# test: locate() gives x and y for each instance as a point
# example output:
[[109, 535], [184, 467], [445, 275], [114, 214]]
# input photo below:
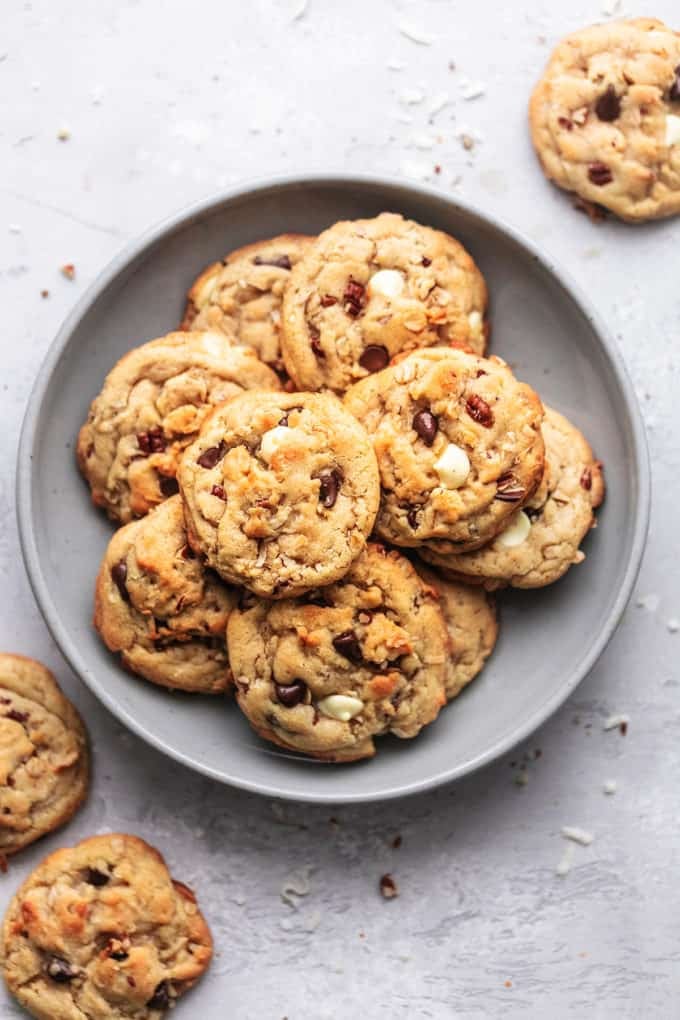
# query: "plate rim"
[[30, 430]]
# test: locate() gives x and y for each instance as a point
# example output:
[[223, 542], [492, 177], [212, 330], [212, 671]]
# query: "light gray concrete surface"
[[165, 103]]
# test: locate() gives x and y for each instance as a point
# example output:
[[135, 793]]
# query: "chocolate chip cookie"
[[368, 289], [159, 607], [44, 758], [241, 295], [605, 117], [470, 616], [100, 931], [151, 407], [281, 491], [459, 445], [326, 673], [542, 541]]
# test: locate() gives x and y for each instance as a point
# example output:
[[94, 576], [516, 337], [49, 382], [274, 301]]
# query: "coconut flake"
[[566, 860], [299, 10], [296, 885], [673, 625], [611, 7], [411, 96], [438, 103], [416, 35], [396, 65], [610, 786], [613, 722], [650, 602], [417, 171], [471, 89], [422, 141], [576, 835]]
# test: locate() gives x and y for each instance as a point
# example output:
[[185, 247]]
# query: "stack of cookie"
[[324, 425]]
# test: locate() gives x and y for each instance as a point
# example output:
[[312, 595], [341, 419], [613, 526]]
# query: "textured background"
[[166, 103]]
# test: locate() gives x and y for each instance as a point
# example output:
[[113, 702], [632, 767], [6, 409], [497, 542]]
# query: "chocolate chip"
[[315, 342], [566, 123], [599, 173], [586, 479], [212, 456], [168, 486], [281, 262], [151, 441], [218, 490], [674, 91], [161, 997], [608, 106], [412, 518], [374, 358], [327, 300], [329, 486], [283, 420], [479, 410], [95, 877], [118, 954], [425, 261], [60, 970], [508, 489], [354, 297], [20, 717], [318, 598], [119, 577], [188, 553], [290, 695], [426, 425], [347, 645]]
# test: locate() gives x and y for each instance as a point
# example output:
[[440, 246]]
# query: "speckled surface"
[[164, 107]]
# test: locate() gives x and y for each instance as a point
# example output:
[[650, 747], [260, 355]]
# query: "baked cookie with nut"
[[280, 491], [160, 609], [101, 931], [44, 757], [543, 540], [459, 446], [327, 673], [241, 295], [605, 117], [152, 405], [368, 289], [470, 616]]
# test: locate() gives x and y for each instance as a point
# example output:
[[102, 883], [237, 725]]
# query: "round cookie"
[[470, 616], [101, 931], [280, 491], [605, 117], [543, 541], [368, 289], [44, 758], [241, 295], [160, 609], [459, 445], [151, 407], [326, 674]]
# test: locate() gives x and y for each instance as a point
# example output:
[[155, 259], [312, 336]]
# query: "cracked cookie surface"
[[470, 617], [605, 117], [556, 519], [280, 491], [241, 295], [100, 931], [369, 289], [458, 442], [151, 407], [44, 758], [326, 673], [159, 607]]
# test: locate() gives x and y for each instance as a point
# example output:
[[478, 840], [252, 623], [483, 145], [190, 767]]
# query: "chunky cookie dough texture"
[[241, 295], [159, 607], [327, 673], [369, 289], [542, 540], [605, 117], [459, 446], [470, 616], [152, 405], [44, 758], [100, 931], [280, 491]]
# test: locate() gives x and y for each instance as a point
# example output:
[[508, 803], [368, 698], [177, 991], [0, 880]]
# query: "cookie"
[[543, 540], [151, 407], [605, 117], [281, 491], [241, 295], [160, 609], [470, 616], [368, 289], [327, 673], [44, 758], [459, 445], [100, 931]]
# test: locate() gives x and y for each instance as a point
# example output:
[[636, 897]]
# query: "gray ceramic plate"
[[549, 639]]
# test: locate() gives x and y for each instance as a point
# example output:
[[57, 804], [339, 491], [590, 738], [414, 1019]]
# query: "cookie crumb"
[[467, 141], [63, 134], [68, 270], [396, 842], [388, 887], [614, 722], [522, 777], [577, 835], [508, 984], [650, 602], [44, 293]]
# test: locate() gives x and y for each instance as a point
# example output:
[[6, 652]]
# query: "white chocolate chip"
[[277, 438], [516, 532], [475, 323], [453, 467], [672, 130], [214, 343], [340, 706], [387, 282]]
